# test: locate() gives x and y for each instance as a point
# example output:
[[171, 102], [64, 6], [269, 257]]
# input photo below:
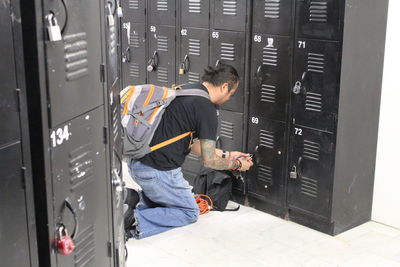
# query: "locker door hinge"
[[23, 178], [102, 73], [18, 91], [109, 249], [105, 135]]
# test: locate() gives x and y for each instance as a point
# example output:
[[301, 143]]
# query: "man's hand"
[[247, 162], [237, 154]]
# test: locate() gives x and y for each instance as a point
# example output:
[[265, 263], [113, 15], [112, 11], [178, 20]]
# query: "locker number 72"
[[298, 131]]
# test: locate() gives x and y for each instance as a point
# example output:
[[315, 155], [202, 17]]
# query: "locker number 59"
[[254, 120]]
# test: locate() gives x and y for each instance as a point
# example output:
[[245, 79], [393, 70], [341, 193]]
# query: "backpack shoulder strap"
[[193, 92]]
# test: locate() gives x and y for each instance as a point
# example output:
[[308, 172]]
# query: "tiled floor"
[[252, 238]]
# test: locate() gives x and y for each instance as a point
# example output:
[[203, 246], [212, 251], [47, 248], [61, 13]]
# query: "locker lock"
[[299, 85], [153, 62], [65, 244], [293, 172], [185, 65], [53, 28]]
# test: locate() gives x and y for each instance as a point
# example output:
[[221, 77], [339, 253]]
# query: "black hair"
[[220, 74]]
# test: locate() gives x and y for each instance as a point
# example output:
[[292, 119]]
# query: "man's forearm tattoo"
[[210, 159]]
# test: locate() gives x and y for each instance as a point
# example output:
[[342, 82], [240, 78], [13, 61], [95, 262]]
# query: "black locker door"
[[193, 55], [14, 239], [112, 42], [162, 12], [229, 48], [311, 160], [266, 178], [134, 10], [270, 72], [80, 175], [272, 16], [316, 71], [73, 64], [133, 53], [162, 55], [230, 130], [229, 15], [319, 19], [195, 13]]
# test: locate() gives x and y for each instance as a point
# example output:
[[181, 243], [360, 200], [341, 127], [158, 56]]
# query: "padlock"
[[297, 87], [150, 67], [110, 17], [120, 14], [182, 69], [53, 28], [293, 173], [65, 244]]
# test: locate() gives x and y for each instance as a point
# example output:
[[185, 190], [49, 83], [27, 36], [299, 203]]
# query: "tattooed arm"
[[211, 159]]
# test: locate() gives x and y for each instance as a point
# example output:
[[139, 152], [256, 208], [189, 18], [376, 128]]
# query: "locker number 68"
[[254, 120], [257, 38]]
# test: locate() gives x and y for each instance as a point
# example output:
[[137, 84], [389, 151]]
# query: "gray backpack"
[[142, 107]]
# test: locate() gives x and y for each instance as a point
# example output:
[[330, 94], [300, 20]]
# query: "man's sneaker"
[[129, 220], [131, 197]]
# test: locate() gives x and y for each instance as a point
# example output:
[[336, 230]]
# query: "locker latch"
[[153, 62], [185, 65], [299, 85], [53, 28]]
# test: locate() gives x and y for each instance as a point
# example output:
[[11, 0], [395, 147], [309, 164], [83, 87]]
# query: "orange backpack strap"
[[170, 141]]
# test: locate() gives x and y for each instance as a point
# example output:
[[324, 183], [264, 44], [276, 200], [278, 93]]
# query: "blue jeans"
[[166, 200]]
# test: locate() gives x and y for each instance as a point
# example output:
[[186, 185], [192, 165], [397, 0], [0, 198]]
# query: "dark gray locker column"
[[229, 15], [311, 164], [230, 48], [73, 63], [195, 13], [193, 54], [133, 46], [162, 12], [315, 92], [162, 55], [266, 179], [270, 69]]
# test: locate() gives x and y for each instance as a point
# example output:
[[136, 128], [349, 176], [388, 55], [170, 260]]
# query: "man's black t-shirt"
[[184, 114]]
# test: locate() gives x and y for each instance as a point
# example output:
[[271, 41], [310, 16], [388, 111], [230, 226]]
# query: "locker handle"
[[300, 167], [217, 62], [68, 205], [299, 85], [153, 62], [260, 73], [127, 55], [218, 142], [186, 63]]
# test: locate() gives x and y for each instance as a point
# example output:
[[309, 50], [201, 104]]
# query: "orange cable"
[[203, 204]]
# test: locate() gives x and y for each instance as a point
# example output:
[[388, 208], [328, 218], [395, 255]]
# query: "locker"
[[162, 12], [73, 64], [266, 179], [229, 15], [319, 19], [311, 162], [229, 48], [112, 42], [195, 13], [193, 54], [14, 238], [272, 17], [134, 10], [80, 177], [315, 101], [162, 55], [133, 47], [9, 127], [270, 72]]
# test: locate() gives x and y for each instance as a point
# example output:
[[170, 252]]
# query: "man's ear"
[[225, 88]]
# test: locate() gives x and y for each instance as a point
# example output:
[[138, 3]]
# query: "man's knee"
[[192, 215]]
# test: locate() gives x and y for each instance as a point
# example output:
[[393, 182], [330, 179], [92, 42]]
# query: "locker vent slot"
[[226, 129], [195, 6], [309, 187], [316, 62], [162, 75], [133, 4], [85, 247], [268, 93], [266, 139], [113, 41], [134, 70], [135, 40], [162, 43], [230, 8], [76, 56], [270, 56], [194, 47], [313, 102], [228, 51], [194, 77], [81, 166], [115, 123], [311, 150], [192, 156], [272, 9], [318, 11], [162, 5], [265, 174]]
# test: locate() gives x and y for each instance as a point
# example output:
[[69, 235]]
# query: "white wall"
[[386, 203]]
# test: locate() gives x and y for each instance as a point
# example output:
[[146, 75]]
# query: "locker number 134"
[[59, 136]]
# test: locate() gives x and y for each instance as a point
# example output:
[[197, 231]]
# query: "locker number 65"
[[215, 35]]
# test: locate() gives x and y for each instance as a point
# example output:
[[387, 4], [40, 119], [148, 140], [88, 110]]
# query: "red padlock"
[[65, 244]]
